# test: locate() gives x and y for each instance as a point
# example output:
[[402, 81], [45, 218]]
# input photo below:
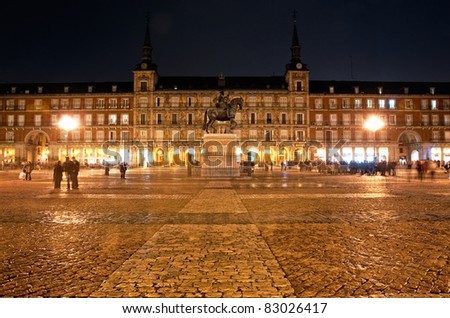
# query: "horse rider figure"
[[222, 104]]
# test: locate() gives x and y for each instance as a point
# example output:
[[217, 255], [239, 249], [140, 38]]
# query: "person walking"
[[76, 170], [28, 168], [123, 169], [68, 168], [58, 174]]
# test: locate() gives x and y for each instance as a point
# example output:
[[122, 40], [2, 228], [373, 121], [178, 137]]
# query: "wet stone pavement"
[[159, 233]]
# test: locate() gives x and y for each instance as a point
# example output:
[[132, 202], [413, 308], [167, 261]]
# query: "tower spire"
[[296, 60], [146, 61]]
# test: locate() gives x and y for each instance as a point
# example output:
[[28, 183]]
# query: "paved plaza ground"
[[159, 233]]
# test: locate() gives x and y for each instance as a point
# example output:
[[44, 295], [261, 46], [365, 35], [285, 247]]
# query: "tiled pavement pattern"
[[162, 234]]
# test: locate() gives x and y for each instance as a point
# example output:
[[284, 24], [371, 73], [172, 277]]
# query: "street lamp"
[[374, 123], [68, 124]]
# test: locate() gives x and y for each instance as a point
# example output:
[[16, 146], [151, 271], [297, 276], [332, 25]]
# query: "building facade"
[[157, 120]]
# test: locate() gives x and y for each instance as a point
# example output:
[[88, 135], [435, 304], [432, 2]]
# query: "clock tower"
[[297, 74]]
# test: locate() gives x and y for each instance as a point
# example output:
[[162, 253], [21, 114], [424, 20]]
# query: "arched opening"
[[37, 150], [409, 146]]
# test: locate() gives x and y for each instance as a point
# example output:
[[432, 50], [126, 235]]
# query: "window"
[[253, 134], [358, 103], [143, 102], [174, 119], [10, 104], [381, 104], [409, 120], [345, 103], [206, 101], [318, 103], [125, 135], [253, 118], [125, 103], [112, 135], [299, 86], [114, 88], [446, 104], [190, 119], [101, 103], [424, 104], [434, 104], [189, 102], [64, 104], [392, 120], [252, 101], [435, 120], [37, 120], [88, 102], [76, 103], [159, 119], [299, 102], [268, 100], [100, 119], [300, 135], [283, 101], [21, 120], [9, 136], [425, 120], [268, 135], [332, 104], [284, 119], [112, 119], [408, 104], [112, 103], [346, 119], [88, 119], [90, 89], [143, 119], [100, 135], [54, 120], [88, 135], [392, 104], [38, 104], [22, 104], [370, 103], [319, 119], [436, 135], [143, 85], [158, 101], [268, 118], [66, 89], [447, 120], [125, 119], [333, 119], [10, 120], [299, 119], [359, 119]]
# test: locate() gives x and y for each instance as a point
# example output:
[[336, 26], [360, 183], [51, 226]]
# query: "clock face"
[[298, 65], [144, 66]]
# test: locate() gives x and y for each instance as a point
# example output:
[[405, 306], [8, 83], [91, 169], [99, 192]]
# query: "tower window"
[[143, 86]]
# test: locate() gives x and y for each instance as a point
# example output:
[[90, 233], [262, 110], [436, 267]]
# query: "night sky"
[[101, 40]]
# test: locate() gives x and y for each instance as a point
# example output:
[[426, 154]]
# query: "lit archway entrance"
[[409, 145], [36, 144]]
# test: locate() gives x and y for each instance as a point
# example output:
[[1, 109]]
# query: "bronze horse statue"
[[228, 114]]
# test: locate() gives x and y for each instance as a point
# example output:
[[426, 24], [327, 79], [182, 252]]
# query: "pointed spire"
[[147, 47], [146, 61], [295, 47], [296, 60]]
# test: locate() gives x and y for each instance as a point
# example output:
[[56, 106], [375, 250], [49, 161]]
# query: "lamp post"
[[374, 123], [68, 124]]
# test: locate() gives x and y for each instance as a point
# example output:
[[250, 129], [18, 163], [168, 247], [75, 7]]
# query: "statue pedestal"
[[219, 156]]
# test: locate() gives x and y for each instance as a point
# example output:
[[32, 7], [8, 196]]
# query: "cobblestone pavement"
[[159, 233]]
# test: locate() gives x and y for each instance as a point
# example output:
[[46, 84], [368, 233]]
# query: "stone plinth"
[[219, 155]]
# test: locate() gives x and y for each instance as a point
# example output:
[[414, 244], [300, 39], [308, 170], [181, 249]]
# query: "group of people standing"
[[70, 168]]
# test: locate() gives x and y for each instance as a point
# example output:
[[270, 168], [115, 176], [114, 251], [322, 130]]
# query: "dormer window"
[[90, 89], [40, 89], [13, 90], [432, 90], [356, 89], [406, 90], [331, 89], [66, 89], [114, 88], [380, 90]]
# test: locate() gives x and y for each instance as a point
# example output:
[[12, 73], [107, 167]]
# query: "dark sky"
[[101, 40]]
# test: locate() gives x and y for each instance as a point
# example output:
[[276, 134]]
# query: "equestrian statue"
[[225, 110]]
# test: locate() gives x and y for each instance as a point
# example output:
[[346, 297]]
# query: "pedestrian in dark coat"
[[58, 174]]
